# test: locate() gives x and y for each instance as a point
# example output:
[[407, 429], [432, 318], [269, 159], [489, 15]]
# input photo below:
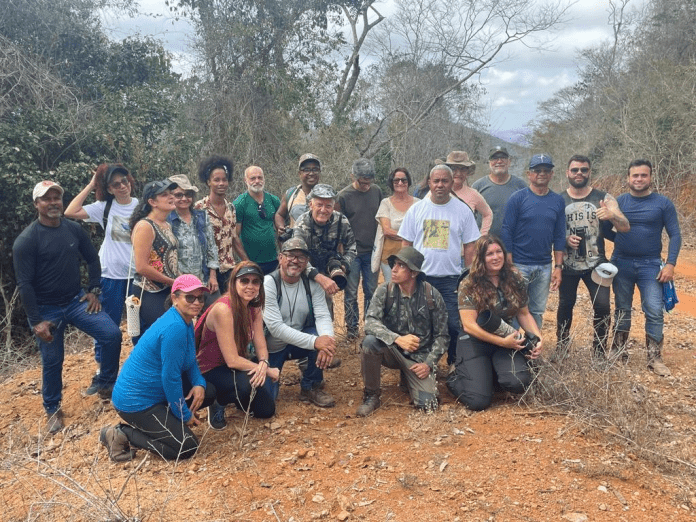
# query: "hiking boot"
[[116, 444], [352, 334], [93, 387], [216, 416], [655, 358], [317, 397], [618, 350], [371, 402], [105, 393], [55, 422]]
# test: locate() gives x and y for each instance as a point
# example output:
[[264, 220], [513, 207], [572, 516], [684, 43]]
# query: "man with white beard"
[[256, 209]]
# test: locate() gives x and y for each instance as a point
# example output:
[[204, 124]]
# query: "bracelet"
[[558, 266], [264, 361]]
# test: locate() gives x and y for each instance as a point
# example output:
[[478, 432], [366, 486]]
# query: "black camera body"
[[494, 324]]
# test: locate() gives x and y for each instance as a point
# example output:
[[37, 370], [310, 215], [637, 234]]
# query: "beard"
[[579, 183]]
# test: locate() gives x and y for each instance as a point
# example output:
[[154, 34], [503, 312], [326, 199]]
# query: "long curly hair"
[[101, 192], [240, 312], [479, 287]]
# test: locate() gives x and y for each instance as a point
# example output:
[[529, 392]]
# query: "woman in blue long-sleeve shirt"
[[160, 386]]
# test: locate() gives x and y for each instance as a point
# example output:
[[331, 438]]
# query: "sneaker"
[[371, 402], [116, 444], [105, 393], [317, 397], [216, 416], [55, 422], [92, 388], [335, 363]]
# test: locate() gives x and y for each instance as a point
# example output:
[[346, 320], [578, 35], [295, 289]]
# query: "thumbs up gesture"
[[603, 213]]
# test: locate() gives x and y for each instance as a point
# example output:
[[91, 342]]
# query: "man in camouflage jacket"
[[406, 329], [328, 235]]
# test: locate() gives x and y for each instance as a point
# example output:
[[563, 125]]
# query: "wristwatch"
[[96, 290], [558, 266]]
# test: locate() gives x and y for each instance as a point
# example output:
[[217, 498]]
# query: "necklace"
[[294, 300]]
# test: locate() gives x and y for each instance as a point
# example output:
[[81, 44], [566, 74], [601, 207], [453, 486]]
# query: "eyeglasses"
[[253, 281], [314, 170], [584, 170], [401, 180], [119, 184], [190, 298], [498, 158], [541, 171], [180, 195], [302, 258], [262, 211]]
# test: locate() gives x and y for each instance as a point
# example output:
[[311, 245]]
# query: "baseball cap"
[[498, 149], [44, 186], [541, 159], [604, 273], [183, 182], [295, 243], [307, 157], [188, 283], [154, 188], [322, 190], [458, 157], [113, 169]]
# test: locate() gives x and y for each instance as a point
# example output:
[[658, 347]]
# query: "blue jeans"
[[447, 286], [643, 273], [360, 265], [312, 375], [538, 279], [112, 299], [99, 325]]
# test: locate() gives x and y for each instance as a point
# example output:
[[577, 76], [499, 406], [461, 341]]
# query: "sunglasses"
[[246, 281], [401, 180], [182, 195], [190, 298], [119, 184], [541, 171], [296, 257], [584, 170], [262, 211]]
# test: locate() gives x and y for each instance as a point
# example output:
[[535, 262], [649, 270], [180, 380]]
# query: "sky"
[[513, 86]]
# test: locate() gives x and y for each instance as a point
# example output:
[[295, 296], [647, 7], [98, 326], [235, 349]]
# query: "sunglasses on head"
[[584, 170]]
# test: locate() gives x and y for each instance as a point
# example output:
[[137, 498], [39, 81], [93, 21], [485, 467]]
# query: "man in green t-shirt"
[[255, 211]]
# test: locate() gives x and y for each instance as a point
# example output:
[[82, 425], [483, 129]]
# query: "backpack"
[[309, 321], [389, 301]]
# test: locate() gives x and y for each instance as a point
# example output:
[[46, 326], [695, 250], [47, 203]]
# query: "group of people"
[[229, 292]]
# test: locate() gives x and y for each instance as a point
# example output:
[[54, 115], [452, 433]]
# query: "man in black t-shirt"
[[585, 208], [47, 257]]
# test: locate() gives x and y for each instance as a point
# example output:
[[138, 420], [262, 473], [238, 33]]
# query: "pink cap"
[[188, 283]]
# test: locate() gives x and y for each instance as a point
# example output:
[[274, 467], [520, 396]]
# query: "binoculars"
[[494, 324]]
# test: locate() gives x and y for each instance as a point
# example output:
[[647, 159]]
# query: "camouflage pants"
[[376, 354]]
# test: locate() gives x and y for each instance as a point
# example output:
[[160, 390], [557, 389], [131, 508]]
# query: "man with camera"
[[329, 238], [406, 329], [585, 209], [298, 323], [295, 201]]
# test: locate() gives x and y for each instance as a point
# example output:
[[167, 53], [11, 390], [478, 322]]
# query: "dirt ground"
[[517, 461]]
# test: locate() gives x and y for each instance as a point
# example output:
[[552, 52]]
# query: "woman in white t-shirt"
[[113, 186]]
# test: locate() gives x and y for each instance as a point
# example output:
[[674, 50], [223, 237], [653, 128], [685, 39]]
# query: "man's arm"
[[374, 319], [441, 336], [609, 211], [281, 215], [24, 257], [671, 224]]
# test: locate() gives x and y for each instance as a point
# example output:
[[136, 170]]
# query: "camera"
[[337, 272], [285, 235], [494, 324]]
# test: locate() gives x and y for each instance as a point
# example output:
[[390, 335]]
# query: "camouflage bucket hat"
[[411, 257]]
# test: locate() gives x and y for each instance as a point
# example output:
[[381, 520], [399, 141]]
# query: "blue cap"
[[541, 159]]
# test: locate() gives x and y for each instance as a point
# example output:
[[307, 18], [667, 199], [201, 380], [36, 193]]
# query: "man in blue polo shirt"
[[534, 222], [637, 256]]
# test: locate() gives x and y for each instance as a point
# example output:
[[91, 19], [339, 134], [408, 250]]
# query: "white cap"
[[44, 186], [604, 273]]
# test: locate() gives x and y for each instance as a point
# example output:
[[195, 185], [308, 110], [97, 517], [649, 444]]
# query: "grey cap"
[[498, 149], [410, 256], [322, 190], [183, 182], [295, 243], [154, 188]]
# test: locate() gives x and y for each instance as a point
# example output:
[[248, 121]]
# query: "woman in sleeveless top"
[[223, 334], [154, 251]]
